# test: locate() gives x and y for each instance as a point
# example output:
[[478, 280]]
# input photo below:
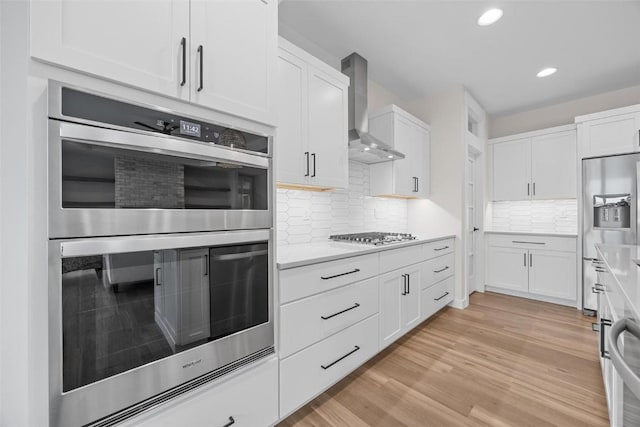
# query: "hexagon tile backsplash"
[[306, 216]]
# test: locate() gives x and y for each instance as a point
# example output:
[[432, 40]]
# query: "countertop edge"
[[531, 233], [359, 251]]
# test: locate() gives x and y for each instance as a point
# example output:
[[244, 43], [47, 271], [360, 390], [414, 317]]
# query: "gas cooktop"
[[373, 238]]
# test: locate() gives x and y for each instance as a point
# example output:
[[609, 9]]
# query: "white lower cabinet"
[[538, 267], [436, 297], [309, 372], [249, 399], [399, 303]]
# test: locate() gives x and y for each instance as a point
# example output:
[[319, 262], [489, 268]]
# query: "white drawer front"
[[436, 297], [309, 372], [437, 269], [438, 248], [304, 281], [307, 321], [394, 259], [250, 398], [559, 243]]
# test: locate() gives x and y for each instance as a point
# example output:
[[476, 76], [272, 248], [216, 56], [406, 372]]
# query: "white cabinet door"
[[291, 143], [391, 301], [421, 161], [405, 141], [512, 170], [611, 135], [552, 274], [194, 318], [411, 301], [328, 144], [234, 50], [553, 166], [508, 268], [132, 42]]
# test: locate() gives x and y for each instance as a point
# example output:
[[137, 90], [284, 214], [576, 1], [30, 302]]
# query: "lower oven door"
[[107, 182], [135, 317]]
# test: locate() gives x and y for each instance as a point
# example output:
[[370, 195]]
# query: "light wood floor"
[[503, 361]]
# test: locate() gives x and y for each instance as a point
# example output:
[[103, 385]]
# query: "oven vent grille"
[[150, 403]]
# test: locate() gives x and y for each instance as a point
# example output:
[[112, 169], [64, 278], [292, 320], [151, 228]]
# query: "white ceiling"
[[416, 48]]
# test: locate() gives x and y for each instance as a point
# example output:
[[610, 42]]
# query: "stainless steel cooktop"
[[373, 238]]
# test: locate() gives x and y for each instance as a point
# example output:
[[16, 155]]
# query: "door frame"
[[477, 243]]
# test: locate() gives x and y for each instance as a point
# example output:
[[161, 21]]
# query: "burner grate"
[[373, 238]]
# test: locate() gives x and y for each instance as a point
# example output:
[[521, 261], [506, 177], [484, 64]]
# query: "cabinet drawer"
[[567, 244], [437, 269], [394, 259], [304, 281], [438, 248], [309, 372], [436, 297], [312, 319], [251, 398]]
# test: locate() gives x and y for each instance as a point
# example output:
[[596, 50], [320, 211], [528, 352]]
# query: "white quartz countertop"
[[620, 261], [532, 233], [291, 256]]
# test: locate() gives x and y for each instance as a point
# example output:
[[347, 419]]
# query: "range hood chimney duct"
[[363, 147]]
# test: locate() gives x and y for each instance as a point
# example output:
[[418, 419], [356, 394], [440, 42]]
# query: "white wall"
[[561, 114]]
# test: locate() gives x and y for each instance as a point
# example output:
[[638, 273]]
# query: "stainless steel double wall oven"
[[160, 254]]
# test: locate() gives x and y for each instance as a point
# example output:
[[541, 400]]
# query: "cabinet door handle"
[[417, 184], [306, 153], [527, 243], [441, 249], [530, 260], [404, 284], [408, 284], [441, 270], [206, 265], [314, 164], [356, 305], [603, 322], [534, 188], [596, 290], [440, 297], [158, 277], [355, 270], [528, 186], [230, 423], [525, 259], [201, 54], [183, 45], [340, 359]]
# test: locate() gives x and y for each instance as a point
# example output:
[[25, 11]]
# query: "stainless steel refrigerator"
[[609, 188]]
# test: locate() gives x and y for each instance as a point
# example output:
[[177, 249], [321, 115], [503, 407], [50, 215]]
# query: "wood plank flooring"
[[503, 361]]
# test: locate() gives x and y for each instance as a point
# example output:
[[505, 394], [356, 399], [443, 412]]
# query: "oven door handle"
[[242, 255], [158, 144]]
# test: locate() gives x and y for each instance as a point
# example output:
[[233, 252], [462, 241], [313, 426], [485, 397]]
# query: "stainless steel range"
[[373, 238]]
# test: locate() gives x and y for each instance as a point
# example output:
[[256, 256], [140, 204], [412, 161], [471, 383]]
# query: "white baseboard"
[[527, 295], [460, 303]]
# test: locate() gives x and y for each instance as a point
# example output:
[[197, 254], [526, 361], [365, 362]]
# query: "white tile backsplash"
[[538, 216], [306, 216]]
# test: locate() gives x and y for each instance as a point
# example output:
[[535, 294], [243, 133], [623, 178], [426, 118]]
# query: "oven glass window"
[[121, 311], [95, 176]]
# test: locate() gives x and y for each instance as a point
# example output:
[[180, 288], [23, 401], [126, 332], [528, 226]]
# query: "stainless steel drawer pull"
[[355, 270], [356, 305], [441, 270], [600, 270], [230, 423], [596, 290], [439, 298], [527, 243], [341, 359], [604, 353], [441, 249], [629, 377]]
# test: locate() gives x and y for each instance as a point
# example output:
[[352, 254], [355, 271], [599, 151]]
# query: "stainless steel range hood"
[[363, 147]]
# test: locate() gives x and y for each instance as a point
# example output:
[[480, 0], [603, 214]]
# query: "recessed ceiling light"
[[390, 156], [489, 17], [547, 72], [367, 148]]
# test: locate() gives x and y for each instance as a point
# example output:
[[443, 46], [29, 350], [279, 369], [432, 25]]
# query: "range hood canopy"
[[363, 147]]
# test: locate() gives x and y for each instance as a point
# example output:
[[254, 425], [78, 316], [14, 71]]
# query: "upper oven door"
[[105, 182]]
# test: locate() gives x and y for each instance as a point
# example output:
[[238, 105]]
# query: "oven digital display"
[[190, 129]]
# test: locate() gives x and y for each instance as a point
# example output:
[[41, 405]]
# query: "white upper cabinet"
[[610, 132], [234, 45], [408, 177], [219, 53], [537, 165], [312, 146]]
